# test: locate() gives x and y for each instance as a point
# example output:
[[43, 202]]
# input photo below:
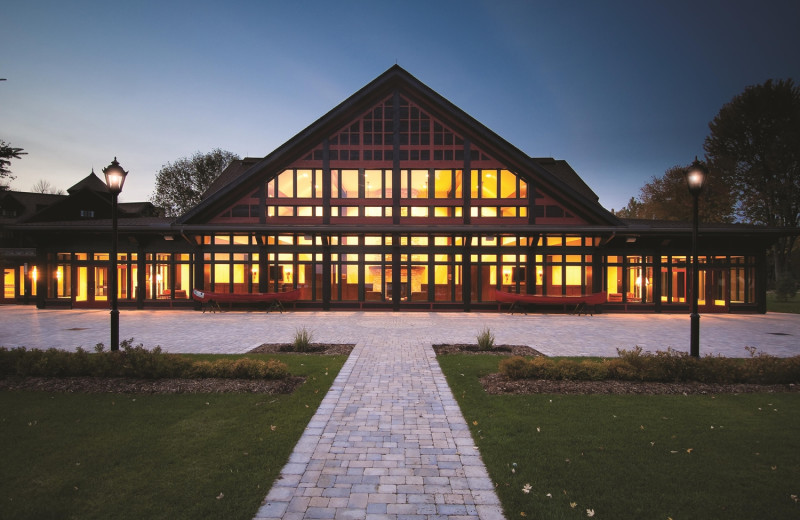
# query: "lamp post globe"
[[115, 179], [696, 176]]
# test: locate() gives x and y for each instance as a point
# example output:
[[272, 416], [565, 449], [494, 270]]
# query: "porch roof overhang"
[[650, 231]]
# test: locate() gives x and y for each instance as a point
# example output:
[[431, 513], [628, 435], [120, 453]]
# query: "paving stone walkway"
[[388, 442]]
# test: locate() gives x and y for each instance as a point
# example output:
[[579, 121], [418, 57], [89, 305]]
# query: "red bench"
[[275, 300], [580, 302]]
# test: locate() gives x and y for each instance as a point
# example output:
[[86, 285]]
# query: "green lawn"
[[634, 457], [791, 306], [127, 456]]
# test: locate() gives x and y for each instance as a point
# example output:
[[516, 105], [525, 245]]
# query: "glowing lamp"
[[696, 177], [115, 176]]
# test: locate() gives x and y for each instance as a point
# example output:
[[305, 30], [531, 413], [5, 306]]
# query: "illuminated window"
[[348, 184], [305, 183], [419, 184], [443, 184]]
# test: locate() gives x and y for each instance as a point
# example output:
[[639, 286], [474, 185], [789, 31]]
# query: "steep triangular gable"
[[432, 133]]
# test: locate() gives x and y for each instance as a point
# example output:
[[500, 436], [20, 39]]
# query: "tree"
[[180, 184], [634, 209], [668, 198], [43, 186], [755, 144], [8, 152]]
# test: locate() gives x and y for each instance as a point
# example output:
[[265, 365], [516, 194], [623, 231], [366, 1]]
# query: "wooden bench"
[[274, 300]]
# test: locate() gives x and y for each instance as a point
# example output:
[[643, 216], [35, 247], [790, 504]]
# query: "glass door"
[[713, 291], [101, 287]]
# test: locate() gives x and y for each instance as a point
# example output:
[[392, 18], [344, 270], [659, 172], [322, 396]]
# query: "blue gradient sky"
[[621, 90]]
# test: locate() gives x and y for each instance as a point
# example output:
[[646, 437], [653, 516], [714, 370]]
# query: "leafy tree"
[[180, 184], [668, 198], [634, 209], [755, 144], [8, 152], [43, 186]]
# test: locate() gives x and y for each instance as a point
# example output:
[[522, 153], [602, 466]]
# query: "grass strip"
[[631, 457], [790, 306], [133, 456]]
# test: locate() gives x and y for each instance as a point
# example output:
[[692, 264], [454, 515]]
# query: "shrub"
[[663, 366], [485, 339], [243, 368], [131, 361], [151, 364], [302, 340], [584, 370], [514, 367]]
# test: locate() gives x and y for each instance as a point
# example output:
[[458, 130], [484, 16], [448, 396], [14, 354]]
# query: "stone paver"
[[388, 441]]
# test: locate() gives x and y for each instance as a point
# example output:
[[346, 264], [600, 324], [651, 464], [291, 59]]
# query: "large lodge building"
[[396, 199]]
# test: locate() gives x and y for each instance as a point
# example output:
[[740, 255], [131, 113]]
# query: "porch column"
[[466, 273], [326, 273], [141, 276]]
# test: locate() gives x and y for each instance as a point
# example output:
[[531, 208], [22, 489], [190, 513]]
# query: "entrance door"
[[713, 290], [91, 287]]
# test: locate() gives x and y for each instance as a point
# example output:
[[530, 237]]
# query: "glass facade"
[[405, 204]]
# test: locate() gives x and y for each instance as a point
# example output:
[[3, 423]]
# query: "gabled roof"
[[90, 196], [90, 182], [25, 204], [552, 178]]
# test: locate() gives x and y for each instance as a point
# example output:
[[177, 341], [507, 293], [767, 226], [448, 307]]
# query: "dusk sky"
[[620, 90]]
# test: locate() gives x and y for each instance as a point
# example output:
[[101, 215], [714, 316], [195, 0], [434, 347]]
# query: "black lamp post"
[[115, 178], [695, 179]]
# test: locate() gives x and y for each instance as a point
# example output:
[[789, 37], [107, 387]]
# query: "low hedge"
[[662, 366], [131, 361]]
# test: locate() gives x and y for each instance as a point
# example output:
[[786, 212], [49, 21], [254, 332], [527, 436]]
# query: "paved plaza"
[[389, 440], [189, 331]]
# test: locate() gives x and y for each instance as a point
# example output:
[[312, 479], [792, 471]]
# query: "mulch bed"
[[498, 384], [123, 385]]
